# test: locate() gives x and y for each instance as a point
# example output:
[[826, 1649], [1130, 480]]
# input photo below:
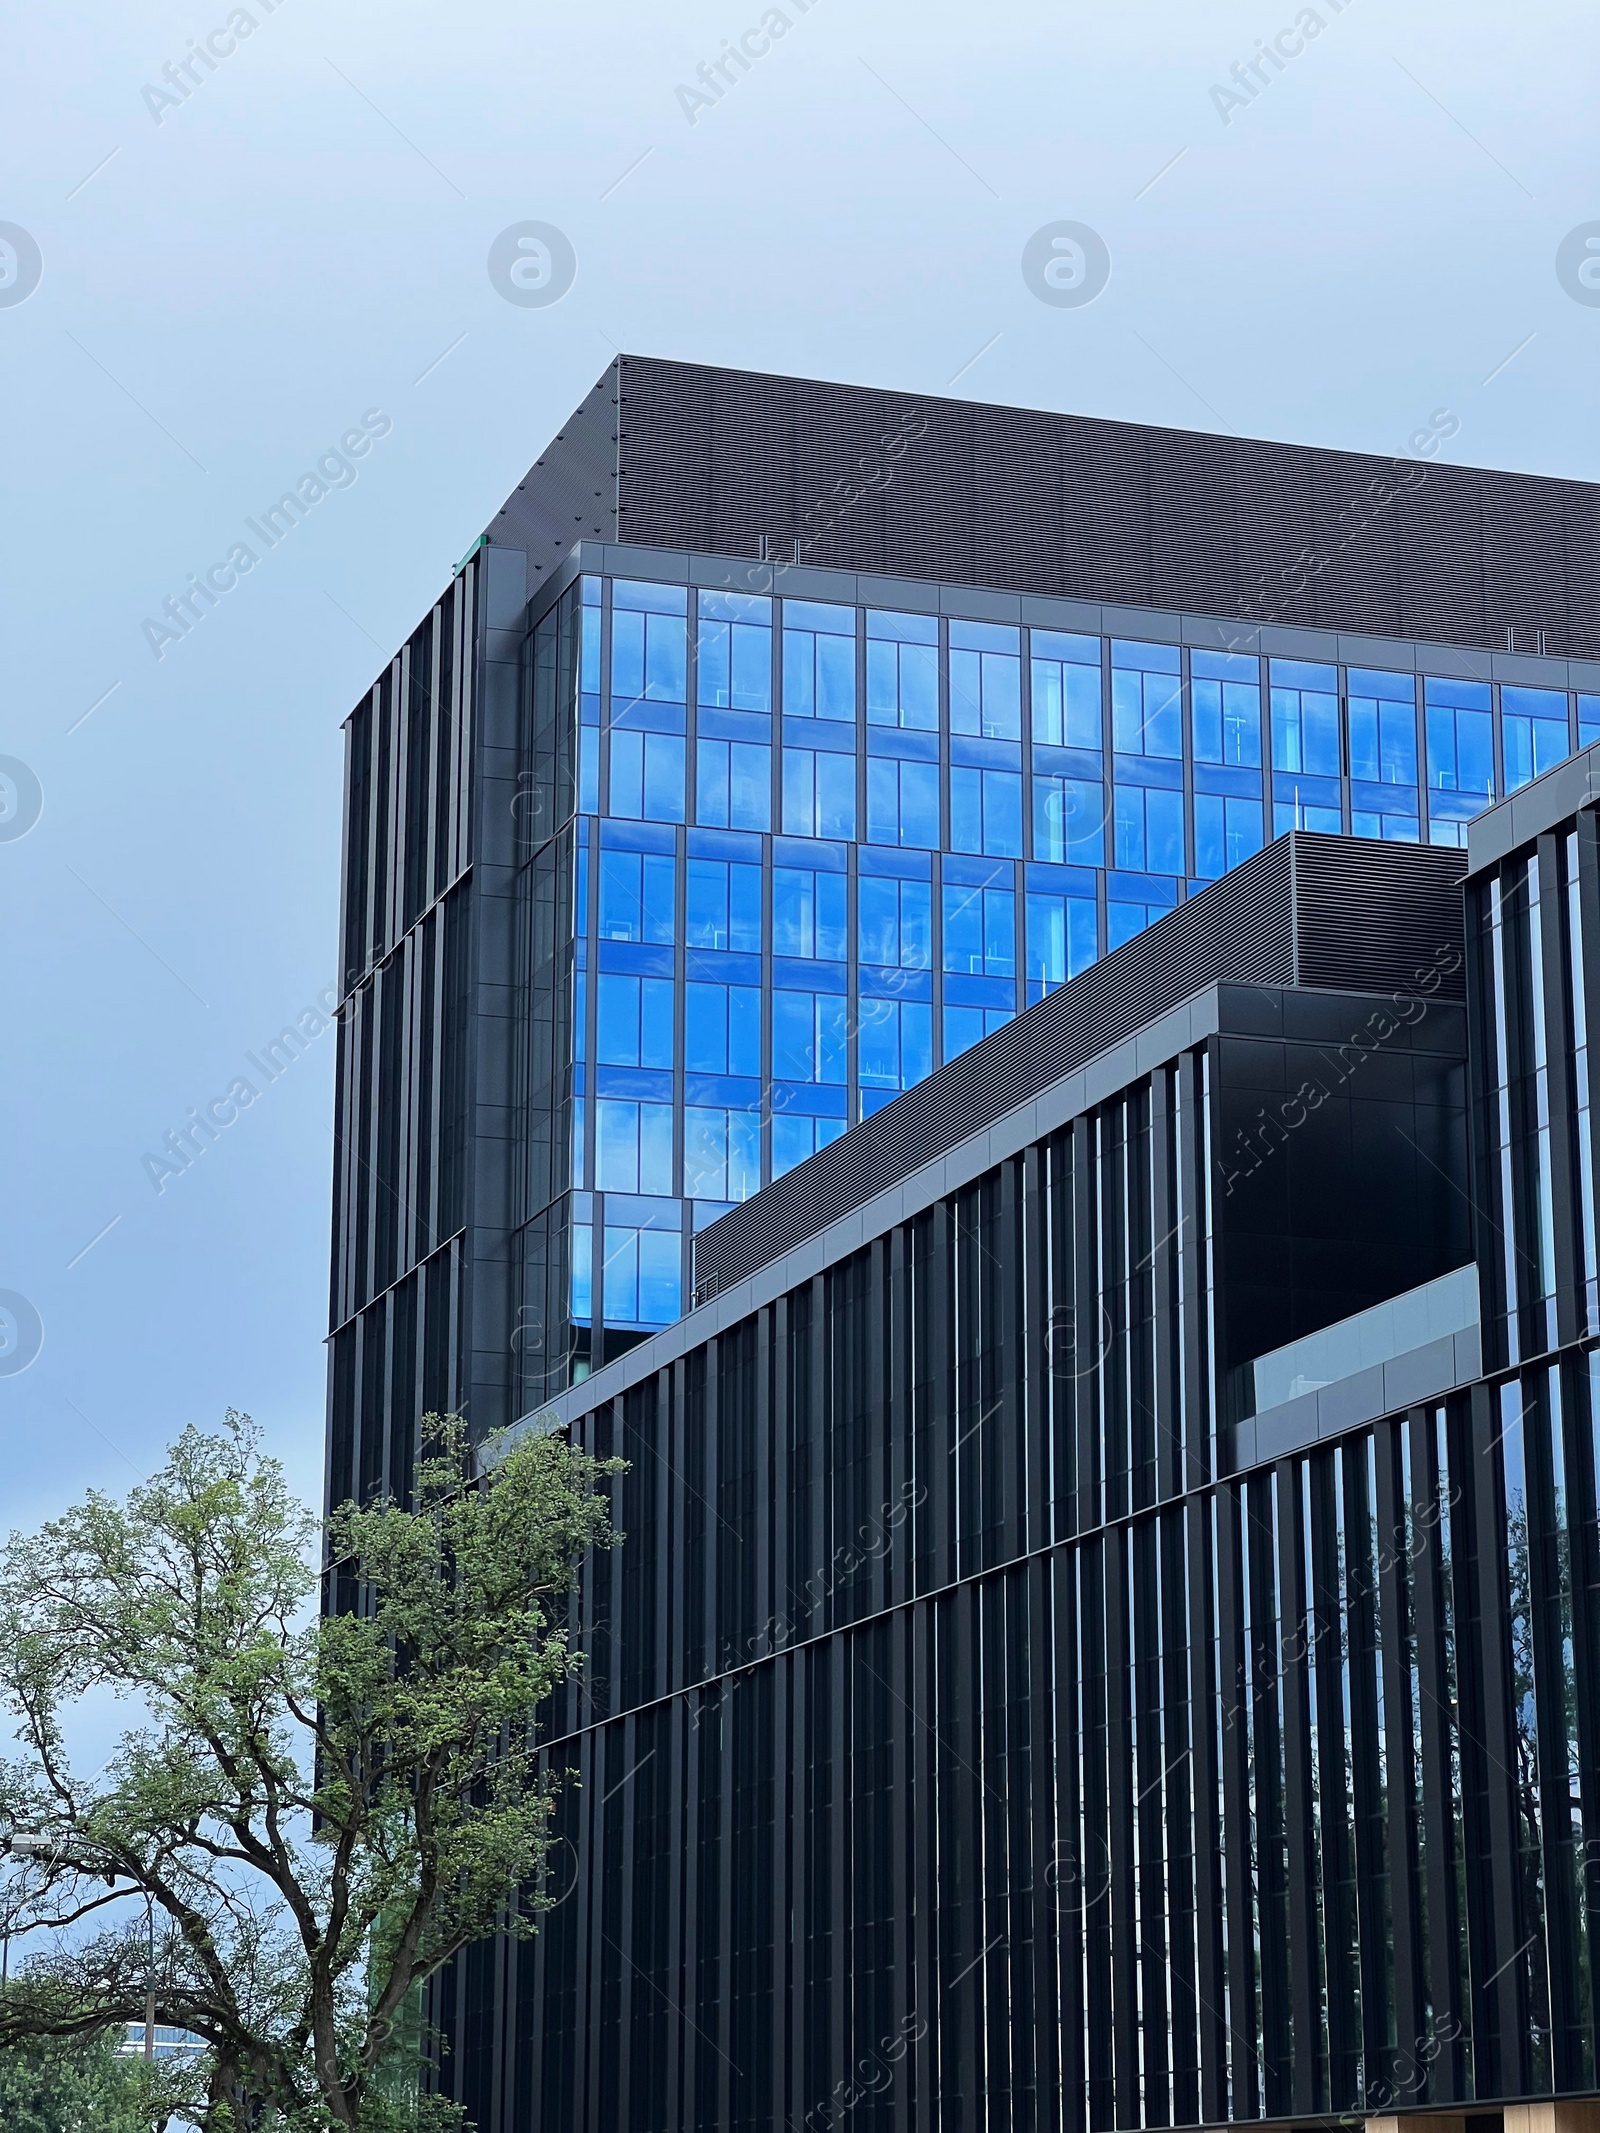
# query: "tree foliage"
[[317, 1809], [77, 2087]]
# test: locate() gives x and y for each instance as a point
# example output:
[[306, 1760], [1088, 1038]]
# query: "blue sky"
[[232, 281]]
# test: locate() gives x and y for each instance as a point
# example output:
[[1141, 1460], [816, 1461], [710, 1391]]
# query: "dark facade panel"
[[425, 1155], [1534, 991], [964, 1742], [401, 1133], [961, 1744], [407, 769], [402, 1128], [391, 1363], [913, 485], [570, 492], [1341, 1176]]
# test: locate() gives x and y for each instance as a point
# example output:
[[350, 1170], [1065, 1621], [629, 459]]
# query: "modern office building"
[[779, 741], [165, 2043], [1107, 1630], [1108, 1633]]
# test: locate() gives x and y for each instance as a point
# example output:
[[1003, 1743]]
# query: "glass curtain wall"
[[822, 849]]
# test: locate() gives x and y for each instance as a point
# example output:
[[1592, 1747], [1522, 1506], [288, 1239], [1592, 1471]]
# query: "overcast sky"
[[234, 268]]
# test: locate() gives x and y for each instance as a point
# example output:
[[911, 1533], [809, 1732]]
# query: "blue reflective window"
[[646, 776], [1069, 816], [1395, 824], [819, 661], [1305, 718], [1063, 937], [808, 915], [1147, 830], [1300, 813], [589, 705], [980, 931], [1131, 905], [724, 899], [633, 1021], [733, 784], [1225, 691], [895, 922], [638, 896], [633, 1146], [1588, 721], [721, 1153], [903, 671], [733, 667], [819, 793], [1066, 690], [582, 1273], [902, 802], [895, 1043], [1226, 830], [986, 811], [967, 1026], [1146, 700], [642, 1276], [649, 643], [1460, 737], [1383, 727], [722, 1029], [810, 1036], [1533, 732], [985, 681], [1124, 920], [795, 1137]]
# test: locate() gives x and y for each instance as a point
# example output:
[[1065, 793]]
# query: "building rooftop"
[[686, 456]]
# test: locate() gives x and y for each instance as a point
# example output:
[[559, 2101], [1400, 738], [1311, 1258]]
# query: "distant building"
[[170, 2043]]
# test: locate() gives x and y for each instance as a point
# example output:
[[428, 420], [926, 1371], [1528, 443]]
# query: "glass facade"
[[813, 851]]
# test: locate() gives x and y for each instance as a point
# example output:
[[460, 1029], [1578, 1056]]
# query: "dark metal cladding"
[[685, 456], [980, 1728]]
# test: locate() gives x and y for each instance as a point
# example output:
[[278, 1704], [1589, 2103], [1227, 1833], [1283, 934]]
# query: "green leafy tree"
[[317, 1809], [70, 2087]]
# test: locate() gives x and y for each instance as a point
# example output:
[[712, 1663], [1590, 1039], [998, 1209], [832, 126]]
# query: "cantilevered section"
[[1554, 798], [1337, 913], [1329, 962]]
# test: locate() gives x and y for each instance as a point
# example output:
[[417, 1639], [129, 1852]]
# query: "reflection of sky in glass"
[[865, 781]]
